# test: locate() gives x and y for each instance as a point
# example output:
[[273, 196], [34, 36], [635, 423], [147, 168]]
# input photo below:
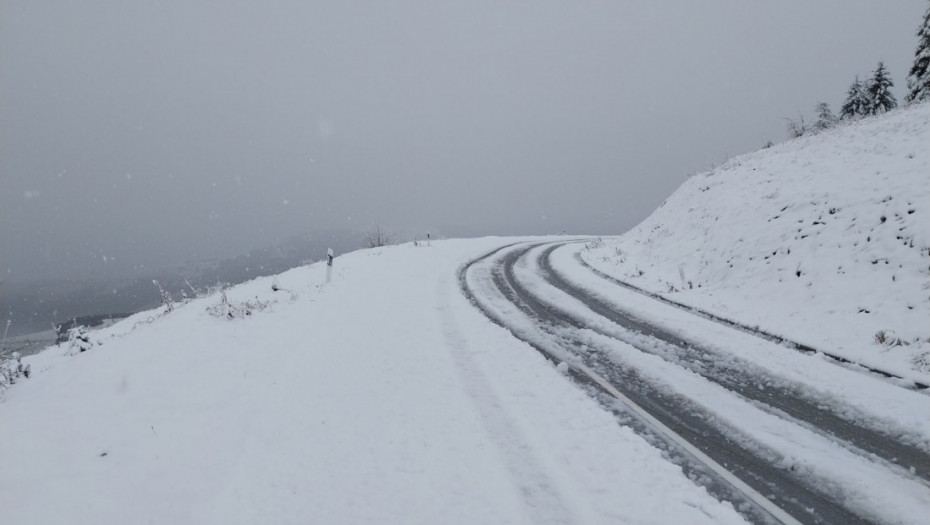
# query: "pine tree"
[[857, 101], [879, 89], [825, 117], [918, 80]]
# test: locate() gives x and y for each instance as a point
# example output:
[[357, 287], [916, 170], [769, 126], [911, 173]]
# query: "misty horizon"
[[162, 134]]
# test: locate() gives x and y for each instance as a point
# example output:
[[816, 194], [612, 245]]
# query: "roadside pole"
[[5, 330], [329, 265]]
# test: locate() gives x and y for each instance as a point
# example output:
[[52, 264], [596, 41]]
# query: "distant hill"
[[39, 305]]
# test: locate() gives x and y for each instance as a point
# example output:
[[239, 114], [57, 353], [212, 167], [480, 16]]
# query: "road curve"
[[491, 283], [731, 374]]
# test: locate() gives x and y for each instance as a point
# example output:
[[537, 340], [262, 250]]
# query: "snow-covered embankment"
[[824, 240]]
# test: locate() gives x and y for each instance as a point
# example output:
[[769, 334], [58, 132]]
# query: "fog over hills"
[[142, 135], [38, 305]]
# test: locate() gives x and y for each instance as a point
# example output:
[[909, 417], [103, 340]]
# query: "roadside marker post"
[[5, 330], [329, 265]]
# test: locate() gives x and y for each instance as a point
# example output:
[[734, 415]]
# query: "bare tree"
[[377, 237], [797, 127]]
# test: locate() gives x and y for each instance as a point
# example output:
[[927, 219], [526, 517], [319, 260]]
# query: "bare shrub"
[[377, 237], [594, 243], [227, 309], [797, 127], [888, 338], [165, 296]]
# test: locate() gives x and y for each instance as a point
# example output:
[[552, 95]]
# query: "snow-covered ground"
[[381, 397], [824, 240], [385, 396]]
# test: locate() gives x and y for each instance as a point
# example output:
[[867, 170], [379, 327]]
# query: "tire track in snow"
[[683, 418], [697, 468], [731, 373], [804, 495], [544, 501]]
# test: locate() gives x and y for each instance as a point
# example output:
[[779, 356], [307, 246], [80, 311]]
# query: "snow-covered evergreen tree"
[[857, 101], [918, 80], [825, 117], [879, 92], [79, 339]]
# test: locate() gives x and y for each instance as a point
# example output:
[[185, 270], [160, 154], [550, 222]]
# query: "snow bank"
[[824, 239]]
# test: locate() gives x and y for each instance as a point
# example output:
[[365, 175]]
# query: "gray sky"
[[158, 132]]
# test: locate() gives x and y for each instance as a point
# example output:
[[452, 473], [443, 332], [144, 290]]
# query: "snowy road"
[[382, 396], [385, 396], [825, 443]]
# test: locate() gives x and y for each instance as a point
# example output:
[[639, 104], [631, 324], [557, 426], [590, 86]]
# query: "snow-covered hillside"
[[384, 396], [381, 397], [824, 240]]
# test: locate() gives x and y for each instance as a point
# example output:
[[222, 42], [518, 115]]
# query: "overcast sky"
[[156, 132]]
